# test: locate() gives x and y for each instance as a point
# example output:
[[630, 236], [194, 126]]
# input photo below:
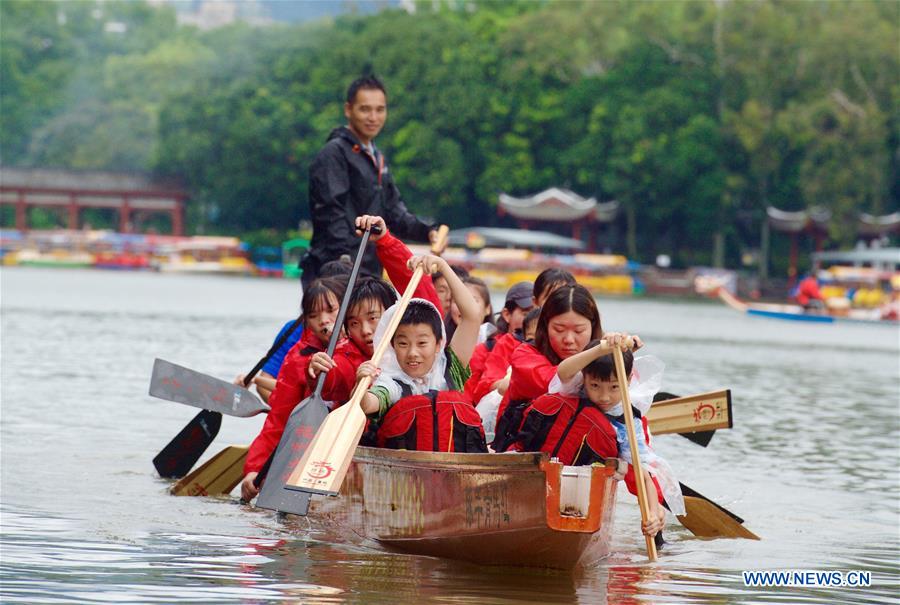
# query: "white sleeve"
[[570, 387]]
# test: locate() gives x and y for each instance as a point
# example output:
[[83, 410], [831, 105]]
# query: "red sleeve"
[[531, 373], [476, 365], [531, 376], [632, 487], [290, 389], [495, 365], [340, 380], [393, 254]]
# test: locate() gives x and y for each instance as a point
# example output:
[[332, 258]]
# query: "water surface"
[[811, 465]]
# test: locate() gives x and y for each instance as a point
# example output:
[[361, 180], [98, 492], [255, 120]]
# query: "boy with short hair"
[[416, 395]]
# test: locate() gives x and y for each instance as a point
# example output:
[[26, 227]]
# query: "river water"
[[811, 464]]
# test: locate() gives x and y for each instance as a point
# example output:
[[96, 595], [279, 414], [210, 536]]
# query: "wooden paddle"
[[706, 519], [324, 465], [216, 476], [635, 454], [305, 418], [695, 417]]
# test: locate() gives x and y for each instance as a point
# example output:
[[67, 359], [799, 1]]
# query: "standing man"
[[349, 177]]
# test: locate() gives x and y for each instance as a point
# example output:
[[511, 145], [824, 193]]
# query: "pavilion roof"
[[552, 204], [879, 225], [797, 221]]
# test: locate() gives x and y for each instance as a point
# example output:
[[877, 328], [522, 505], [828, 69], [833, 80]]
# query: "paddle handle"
[[441, 239], [635, 454], [342, 312]]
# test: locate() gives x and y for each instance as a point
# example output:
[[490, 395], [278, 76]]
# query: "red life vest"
[[567, 428], [574, 431], [439, 421]]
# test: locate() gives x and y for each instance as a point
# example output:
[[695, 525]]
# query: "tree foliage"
[[694, 115]]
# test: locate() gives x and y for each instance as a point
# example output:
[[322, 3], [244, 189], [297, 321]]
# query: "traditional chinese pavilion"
[[555, 205], [133, 196]]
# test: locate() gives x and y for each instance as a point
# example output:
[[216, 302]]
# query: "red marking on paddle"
[[319, 470], [698, 412]]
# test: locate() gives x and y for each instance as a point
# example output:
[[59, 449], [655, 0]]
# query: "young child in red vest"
[[418, 384], [581, 421]]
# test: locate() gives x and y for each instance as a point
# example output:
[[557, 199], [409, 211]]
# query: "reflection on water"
[[811, 463]]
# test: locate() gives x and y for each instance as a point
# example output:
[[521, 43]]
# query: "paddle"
[[694, 417], [216, 476], [707, 519], [173, 382], [176, 383], [305, 418], [635, 454], [177, 458], [324, 465]]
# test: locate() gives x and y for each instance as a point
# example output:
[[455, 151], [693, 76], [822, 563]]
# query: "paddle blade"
[[298, 433], [707, 520], [701, 438], [178, 457], [695, 417], [173, 382], [324, 465], [217, 476]]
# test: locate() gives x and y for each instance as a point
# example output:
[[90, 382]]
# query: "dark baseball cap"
[[522, 294]]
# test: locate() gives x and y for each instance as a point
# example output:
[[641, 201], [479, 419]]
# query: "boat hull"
[[490, 509]]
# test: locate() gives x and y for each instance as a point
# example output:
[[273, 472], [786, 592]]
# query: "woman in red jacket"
[[569, 321]]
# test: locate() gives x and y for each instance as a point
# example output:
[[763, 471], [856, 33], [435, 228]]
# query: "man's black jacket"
[[344, 183]]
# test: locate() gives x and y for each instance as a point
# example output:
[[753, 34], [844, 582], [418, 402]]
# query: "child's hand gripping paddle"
[[325, 463], [306, 417], [635, 454]]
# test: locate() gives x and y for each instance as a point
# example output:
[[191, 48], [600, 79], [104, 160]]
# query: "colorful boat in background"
[[489, 509], [205, 254], [502, 257], [798, 313], [58, 258]]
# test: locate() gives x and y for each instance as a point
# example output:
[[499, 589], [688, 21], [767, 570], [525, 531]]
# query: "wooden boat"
[[798, 313], [489, 509]]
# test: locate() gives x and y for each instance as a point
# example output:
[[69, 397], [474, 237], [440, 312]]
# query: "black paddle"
[[176, 459], [179, 456], [303, 423]]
